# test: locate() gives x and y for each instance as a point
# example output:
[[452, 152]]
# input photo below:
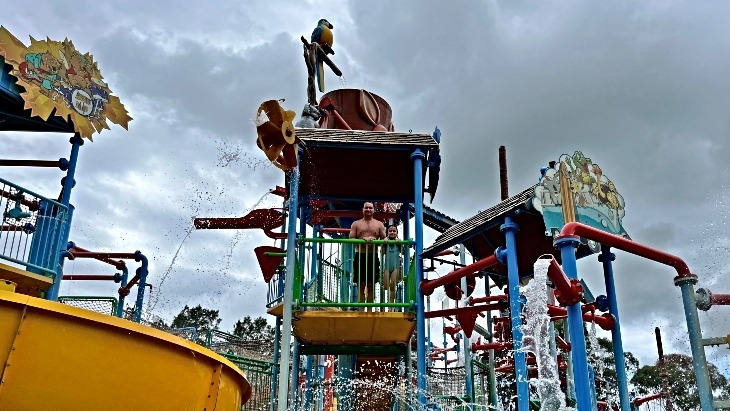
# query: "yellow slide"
[[58, 357]]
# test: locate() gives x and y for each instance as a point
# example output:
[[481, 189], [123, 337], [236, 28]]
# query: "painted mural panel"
[[575, 189]]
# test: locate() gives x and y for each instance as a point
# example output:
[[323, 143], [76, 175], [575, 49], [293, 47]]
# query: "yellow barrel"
[[7, 285], [59, 357]]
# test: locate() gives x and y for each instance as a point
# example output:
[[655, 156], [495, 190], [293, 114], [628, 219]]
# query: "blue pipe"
[[606, 258], [575, 328], [418, 158], [68, 184], [699, 361], [308, 380], [592, 386], [510, 229], [283, 385], [142, 272], [120, 303]]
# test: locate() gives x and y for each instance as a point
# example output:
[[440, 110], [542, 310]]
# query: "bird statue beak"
[[330, 25]]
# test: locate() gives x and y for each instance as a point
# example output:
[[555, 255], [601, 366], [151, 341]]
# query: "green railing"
[[353, 274], [259, 374], [103, 305]]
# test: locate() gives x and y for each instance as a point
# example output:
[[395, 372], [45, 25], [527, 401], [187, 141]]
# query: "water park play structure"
[[336, 347]]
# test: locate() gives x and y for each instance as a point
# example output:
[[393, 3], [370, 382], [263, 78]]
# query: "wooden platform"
[[340, 328], [27, 283]]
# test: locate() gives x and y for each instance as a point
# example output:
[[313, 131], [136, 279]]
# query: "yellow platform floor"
[[58, 357], [26, 282], [353, 327]]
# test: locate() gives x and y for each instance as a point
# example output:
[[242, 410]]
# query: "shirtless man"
[[366, 265]]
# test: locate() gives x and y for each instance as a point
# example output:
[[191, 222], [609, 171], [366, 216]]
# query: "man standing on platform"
[[366, 264]]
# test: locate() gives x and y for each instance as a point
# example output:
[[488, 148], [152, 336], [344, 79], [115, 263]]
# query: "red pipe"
[[30, 163], [720, 299], [582, 230], [428, 286], [568, 291], [605, 321], [497, 346], [119, 265], [446, 252], [642, 400], [467, 309], [490, 299], [562, 343], [90, 277], [342, 121], [127, 288]]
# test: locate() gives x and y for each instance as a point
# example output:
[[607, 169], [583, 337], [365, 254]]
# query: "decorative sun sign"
[[576, 189], [56, 76]]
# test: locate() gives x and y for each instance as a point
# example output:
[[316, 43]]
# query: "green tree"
[[203, 319], [681, 380], [253, 329]]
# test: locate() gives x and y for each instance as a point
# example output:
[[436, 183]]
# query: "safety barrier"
[[352, 274], [31, 230], [102, 305]]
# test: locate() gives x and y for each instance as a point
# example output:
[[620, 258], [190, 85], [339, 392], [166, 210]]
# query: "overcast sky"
[[641, 88]]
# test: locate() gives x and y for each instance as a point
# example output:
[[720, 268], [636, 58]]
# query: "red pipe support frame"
[[490, 299], [605, 321], [78, 252], [568, 291], [128, 288], [446, 252], [497, 346], [564, 345], [582, 230], [642, 400], [428, 286], [90, 277], [464, 310]]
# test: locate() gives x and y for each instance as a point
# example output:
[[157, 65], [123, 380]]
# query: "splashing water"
[[343, 84], [536, 337], [150, 305]]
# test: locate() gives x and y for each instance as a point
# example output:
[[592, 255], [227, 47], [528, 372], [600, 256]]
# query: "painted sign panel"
[[576, 189], [57, 77]]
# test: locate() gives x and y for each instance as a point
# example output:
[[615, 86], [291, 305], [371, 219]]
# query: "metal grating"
[[102, 305]]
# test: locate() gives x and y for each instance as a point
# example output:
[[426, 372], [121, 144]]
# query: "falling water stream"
[[536, 337]]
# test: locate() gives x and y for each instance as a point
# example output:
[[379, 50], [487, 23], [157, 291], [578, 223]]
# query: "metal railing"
[[276, 289], [31, 230], [353, 274], [102, 305]]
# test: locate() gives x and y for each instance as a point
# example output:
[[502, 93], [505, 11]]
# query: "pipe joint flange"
[[418, 154], [576, 294], [602, 257], [703, 299], [566, 240], [681, 280], [511, 226]]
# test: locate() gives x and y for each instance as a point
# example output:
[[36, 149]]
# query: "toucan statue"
[[322, 35]]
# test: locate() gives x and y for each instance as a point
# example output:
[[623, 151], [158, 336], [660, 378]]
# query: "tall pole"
[[567, 247], [467, 344], [510, 229], [68, 184], [418, 158], [288, 291], [663, 370], [607, 258]]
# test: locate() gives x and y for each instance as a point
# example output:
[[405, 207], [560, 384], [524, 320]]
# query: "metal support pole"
[[492, 377], [418, 158], [288, 291], [120, 302], [275, 368], [606, 258], [68, 183], [295, 364], [515, 307], [142, 271], [699, 361], [567, 247], [467, 344]]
